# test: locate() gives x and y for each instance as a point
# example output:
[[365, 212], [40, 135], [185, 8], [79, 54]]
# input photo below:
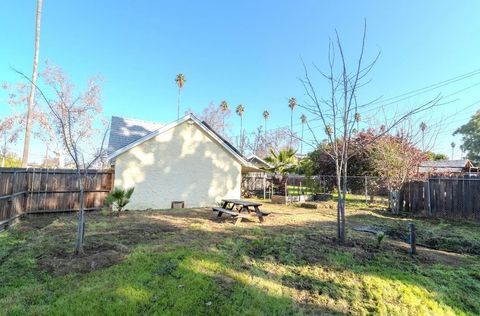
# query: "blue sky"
[[246, 52]]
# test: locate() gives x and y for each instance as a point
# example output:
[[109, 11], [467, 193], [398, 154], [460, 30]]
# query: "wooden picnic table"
[[235, 207]]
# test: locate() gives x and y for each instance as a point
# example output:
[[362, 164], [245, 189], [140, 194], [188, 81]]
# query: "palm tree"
[[31, 97], [239, 110], [303, 119], [358, 118], [224, 109], [292, 103], [118, 199], [180, 80], [423, 127], [266, 116], [453, 148], [281, 164]]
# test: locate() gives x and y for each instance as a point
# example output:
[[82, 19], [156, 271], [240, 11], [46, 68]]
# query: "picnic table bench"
[[235, 207]]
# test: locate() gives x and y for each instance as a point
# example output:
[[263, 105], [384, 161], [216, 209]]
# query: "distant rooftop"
[[460, 165]]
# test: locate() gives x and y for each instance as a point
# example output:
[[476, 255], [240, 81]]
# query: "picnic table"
[[239, 209]]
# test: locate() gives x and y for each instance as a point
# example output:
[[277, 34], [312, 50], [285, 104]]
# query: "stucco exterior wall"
[[181, 164]]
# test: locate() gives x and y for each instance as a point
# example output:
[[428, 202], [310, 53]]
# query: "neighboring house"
[[257, 161], [182, 161], [446, 166], [256, 182]]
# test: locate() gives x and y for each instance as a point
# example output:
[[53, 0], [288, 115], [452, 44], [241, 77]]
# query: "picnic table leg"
[[238, 220], [225, 204], [219, 214], [259, 213]]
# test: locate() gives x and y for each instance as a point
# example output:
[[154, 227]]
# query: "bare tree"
[[338, 112], [215, 117], [10, 128], [31, 98], [87, 107], [259, 143], [69, 124]]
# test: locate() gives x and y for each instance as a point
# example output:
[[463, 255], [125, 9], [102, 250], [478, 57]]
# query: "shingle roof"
[[124, 131], [444, 165]]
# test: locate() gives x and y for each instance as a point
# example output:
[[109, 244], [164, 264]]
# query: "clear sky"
[[246, 52]]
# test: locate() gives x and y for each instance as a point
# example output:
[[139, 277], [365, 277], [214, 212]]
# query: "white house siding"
[[181, 164]]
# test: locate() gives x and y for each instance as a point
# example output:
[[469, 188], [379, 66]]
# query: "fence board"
[[449, 197], [24, 191]]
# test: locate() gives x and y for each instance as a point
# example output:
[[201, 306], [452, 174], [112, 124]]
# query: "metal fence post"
[[413, 239], [366, 190]]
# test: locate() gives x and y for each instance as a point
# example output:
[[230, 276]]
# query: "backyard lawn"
[[187, 262]]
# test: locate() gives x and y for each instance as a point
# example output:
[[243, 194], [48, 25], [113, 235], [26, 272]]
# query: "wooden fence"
[[27, 191], [455, 197]]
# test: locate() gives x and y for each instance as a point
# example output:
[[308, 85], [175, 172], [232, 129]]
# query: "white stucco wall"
[[181, 164]]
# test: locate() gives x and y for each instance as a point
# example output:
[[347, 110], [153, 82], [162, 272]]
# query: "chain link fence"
[[366, 189]]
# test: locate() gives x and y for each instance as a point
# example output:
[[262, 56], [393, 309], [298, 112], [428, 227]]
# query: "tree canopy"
[[471, 137]]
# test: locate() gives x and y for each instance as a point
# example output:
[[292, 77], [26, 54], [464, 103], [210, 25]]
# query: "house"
[[446, 166], [183, 161], [258, 162]]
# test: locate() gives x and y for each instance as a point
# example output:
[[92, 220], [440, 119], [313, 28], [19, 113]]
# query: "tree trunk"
[[31, 97], [339, 205], [241, 135], [344, 199], [178, 103], [301, 144], [81, 219], [291, 128]]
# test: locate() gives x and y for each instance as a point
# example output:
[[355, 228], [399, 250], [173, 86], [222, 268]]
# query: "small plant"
[[118, 199], [380, 237]]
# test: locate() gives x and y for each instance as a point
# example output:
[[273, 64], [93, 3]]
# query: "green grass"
[[184, 262]]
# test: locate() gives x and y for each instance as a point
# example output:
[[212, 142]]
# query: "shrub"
[[380, 237], [118, 199]]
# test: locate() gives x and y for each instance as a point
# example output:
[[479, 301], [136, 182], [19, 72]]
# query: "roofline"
[[261, 160], [167, 127]]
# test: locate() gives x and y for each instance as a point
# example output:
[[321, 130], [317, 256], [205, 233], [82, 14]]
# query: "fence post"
[[264, 185], [429, 207], [413, 239], [366, 190]]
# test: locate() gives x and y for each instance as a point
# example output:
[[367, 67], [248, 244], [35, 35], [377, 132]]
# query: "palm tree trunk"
[[301, 145], [31, 97], [423, 140], [265, 140], [178, 103], [241, 135], [291, 128]]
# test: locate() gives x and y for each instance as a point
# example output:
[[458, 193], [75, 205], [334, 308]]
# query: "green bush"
[[118, 199]]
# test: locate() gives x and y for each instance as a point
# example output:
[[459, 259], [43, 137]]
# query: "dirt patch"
[[98, 254], [85, 263]]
